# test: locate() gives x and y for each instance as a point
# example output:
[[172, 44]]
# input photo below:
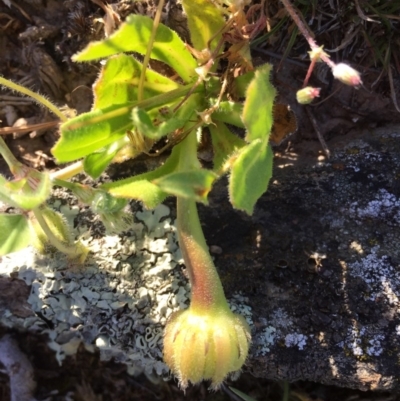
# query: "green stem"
[[305, 32], [13, 164], [66, 184], [70, 250], [146, 60], [207, 291], [68, 172], [146, 104], [38, 98]]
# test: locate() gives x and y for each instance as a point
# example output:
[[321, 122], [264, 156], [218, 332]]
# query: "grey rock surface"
[[315, 271], [319, 263]]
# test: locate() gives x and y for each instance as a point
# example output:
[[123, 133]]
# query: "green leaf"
[[27, 192], [96, 129], [229, 112], [95, 163], [166, 122], [194, 184], [204, 20], [142, 121], [241, 83], [141, 187], [251, 172], [119, 78], [134, 36], [14, 233], [225, 144], [257, 109], [91, 131]]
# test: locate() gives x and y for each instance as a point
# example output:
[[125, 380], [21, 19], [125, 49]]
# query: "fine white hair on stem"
[[40, 99]]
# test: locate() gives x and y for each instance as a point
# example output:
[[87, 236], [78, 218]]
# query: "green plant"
[[138, 110]]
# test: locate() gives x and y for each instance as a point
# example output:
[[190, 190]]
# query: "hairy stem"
[[146, 104], [38, 98], [146, 60], [13, 164], [70, 250], [304, 31], [207, 291]]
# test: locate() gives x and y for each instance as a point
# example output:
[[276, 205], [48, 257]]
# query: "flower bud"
[[315, 54], [346, 74], [59, 228], [307, 94], [57, 224], [205, 345]]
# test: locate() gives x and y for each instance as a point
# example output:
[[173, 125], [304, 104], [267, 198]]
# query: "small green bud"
[[307, 94], [205, 345], [57, 224], [346, 74], [110, 210], [116, 222], [84, 193], [59, 228], [103, 202]]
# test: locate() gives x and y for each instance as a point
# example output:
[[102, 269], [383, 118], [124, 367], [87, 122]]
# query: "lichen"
[[119, 300]]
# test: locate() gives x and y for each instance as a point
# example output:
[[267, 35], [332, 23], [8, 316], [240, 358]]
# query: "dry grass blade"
[[393, 89], [361, 14], [28, 128], [320, 137]]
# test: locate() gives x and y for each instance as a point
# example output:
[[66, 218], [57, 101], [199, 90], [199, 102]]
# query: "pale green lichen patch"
[[119, 301]]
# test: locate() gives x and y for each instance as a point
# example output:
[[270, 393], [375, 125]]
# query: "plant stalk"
[[304, 31], [146, 104], [68, 171], [207, 291], [156, 23], [70, 250], [38, 98], [13, 164]]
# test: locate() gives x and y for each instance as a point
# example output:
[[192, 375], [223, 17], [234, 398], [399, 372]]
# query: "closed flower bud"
[[116, 222], [58, 227], [205, 345], [307, 94], [57, 224], [346, 74]]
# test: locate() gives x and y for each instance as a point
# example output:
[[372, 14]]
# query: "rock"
[[337, 323], [330, 315]]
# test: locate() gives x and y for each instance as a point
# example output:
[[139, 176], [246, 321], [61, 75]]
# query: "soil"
[[39, 38]]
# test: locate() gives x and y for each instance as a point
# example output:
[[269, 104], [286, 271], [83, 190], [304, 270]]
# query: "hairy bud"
[[307, 94], [346, 74], [205, 345]]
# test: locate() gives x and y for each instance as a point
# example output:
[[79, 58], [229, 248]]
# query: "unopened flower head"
[[316, 54], [346, 74], [205, 346], [307, 94]]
